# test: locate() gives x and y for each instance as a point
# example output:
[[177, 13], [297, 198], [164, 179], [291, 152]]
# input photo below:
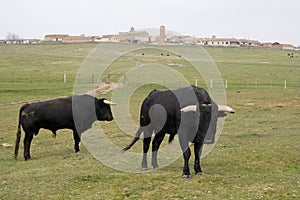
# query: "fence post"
[[211, 83], [78, 78], [226, 84], [196, 82], [93, 78], [65, 78], [284, 84]]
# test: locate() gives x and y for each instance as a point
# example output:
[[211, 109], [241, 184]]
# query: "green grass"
[[256, 157], [256, 67], [36, 71]]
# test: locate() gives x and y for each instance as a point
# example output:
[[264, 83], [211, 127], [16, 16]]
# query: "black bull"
[[189, 111], [76, 112]]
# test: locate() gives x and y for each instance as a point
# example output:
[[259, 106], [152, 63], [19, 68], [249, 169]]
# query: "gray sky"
[[264, 20]]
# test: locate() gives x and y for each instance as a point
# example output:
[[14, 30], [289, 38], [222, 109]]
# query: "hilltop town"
[[160, 38]]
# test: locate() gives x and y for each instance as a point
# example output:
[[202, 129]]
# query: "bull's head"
[[103, 110], [216, 112]]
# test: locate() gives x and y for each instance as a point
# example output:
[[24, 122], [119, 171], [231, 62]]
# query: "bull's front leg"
[[76, 141], [197, 152]]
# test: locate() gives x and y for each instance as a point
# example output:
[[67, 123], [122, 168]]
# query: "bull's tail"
[[135, 139], [19, 131]]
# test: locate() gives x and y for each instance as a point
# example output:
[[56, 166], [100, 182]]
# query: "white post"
[[226, 84], [65, 78], [211, 83], [284, 85], [196, 82]]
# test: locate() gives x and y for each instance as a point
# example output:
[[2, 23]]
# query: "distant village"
[[143, 37]]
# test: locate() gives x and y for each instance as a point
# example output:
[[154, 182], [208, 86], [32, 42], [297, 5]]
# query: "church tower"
[[162, 34]]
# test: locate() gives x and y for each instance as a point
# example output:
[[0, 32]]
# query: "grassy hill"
[[256, 156]]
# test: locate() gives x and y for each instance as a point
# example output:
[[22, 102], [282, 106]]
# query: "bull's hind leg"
[[27, 142], [186, 170], [155, 146], [146, 144], [184, 144], [76, 141]]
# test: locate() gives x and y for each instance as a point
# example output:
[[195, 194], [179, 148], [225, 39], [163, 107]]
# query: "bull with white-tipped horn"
[[188, 112], [77, 113]]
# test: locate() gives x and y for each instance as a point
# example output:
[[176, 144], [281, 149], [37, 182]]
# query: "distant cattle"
[[188, 111], [290, 55], [76, 112]]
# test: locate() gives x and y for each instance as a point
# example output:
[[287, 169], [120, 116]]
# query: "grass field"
[[256, 157]]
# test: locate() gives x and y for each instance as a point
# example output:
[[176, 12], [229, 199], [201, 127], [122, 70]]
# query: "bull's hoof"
[[198, 173], [186, 176], [77, 150], [144, 168], [26, 159], [155, 166]]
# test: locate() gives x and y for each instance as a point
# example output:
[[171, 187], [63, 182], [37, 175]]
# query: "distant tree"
[[12, 36], [276, 43]]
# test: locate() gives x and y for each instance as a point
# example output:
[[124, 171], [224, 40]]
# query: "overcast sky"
[[264, 20]]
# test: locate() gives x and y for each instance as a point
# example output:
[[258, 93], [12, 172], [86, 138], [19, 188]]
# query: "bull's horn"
[[109, 102], [225, 109], [190, 108]]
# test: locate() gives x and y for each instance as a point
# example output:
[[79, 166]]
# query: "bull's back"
[[172, 101], [52, 114], [158, 100]]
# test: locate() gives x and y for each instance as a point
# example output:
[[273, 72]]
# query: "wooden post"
[[284, 84], [65, 78]]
